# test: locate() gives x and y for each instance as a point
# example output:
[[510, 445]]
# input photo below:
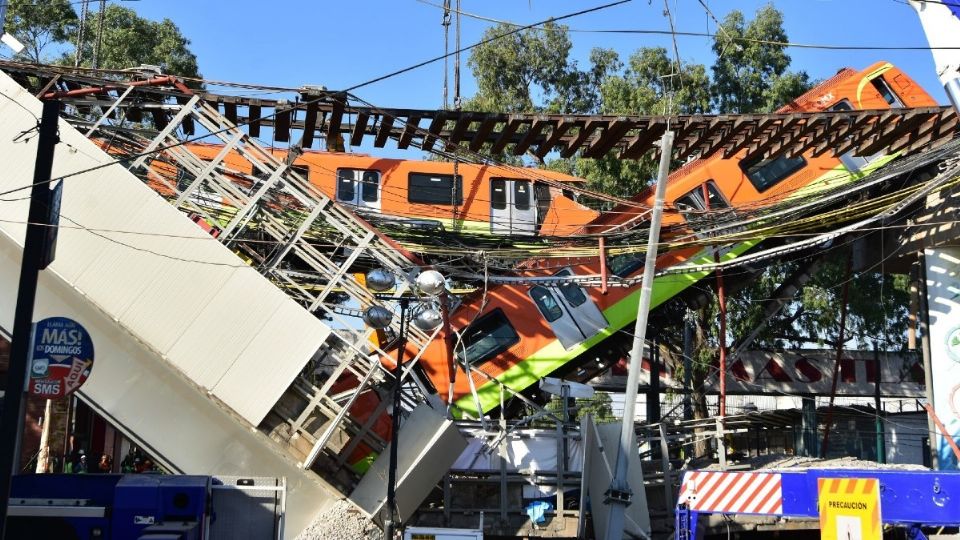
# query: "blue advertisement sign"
[[61, 357]]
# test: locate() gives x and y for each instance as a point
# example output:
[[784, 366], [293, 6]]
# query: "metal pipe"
[[722, 302], [927, 360], [878, 375], [619, 495], [688, 329], [393, 514], [156, 81], [603, 265], [15, 398]]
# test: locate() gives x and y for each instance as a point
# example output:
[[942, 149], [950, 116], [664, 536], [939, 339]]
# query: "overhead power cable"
[[726, 35], [485, 41]]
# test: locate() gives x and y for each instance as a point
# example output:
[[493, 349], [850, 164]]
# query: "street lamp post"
[[431, 283]]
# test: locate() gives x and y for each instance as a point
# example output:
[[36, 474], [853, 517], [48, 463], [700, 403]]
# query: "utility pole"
[[34, 255], [619, 495]]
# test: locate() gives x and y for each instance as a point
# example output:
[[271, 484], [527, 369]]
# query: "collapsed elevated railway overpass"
[[261, 383]]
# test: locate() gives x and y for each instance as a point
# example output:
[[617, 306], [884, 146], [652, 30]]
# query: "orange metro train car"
[[518, 334]]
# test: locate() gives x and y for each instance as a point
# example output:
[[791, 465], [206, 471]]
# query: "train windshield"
[[487, 337]]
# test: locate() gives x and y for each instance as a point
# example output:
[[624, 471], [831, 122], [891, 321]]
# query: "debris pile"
[[341, 521]]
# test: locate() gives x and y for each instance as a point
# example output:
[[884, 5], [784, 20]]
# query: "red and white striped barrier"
[[732, 492]]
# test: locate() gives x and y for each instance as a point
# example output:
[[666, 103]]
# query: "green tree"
[[600, 406], [40, 25], [514, 70], [750, 73], [650, 84], [130, 40]]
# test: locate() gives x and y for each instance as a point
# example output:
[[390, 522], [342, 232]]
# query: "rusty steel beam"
[[309, 122], [860, 125], [637, 147], [506, 134], [761, 146], [482, 134], [383, 132], [703, 128], [460, 129], [632, 137], [434, 130], [585, 132], [611, 136], [558, 132], [359, 129], [530, 136], [410, 128]]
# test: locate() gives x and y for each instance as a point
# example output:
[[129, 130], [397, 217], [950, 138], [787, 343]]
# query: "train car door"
[[513, 210], [572, 315], [851, 162], [584, 310], [359, 188], [705, 208]]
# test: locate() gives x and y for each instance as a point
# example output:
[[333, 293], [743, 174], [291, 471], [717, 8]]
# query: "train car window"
[[346, 187], [887, 93], [183, 179], [258, 174], [498, 194], [546, 303], [302, 170], [487, 337], [543, 198], [625, 264], [693, 204], [765, 173], [571, 291], [521, 194], [435, 189], [370, 190]]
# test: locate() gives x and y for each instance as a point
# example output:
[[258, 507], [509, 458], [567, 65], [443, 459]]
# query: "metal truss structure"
[[287, 229]]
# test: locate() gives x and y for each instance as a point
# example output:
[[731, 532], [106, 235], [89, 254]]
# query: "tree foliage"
[[650, 84], [40, 25], [516, 71], [51, 27], [750, 73], [130, 41]]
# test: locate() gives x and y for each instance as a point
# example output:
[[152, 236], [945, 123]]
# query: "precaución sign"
[[61, 357], [849, 509]]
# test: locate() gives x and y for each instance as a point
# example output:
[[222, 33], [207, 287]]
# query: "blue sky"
[[340, 44]]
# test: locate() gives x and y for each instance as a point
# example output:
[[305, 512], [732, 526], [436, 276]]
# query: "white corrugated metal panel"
[[143, 395], [260, 375], [146, 278], [161, 284], [205, 357]]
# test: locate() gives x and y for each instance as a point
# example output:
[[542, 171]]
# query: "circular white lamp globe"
[[431, 282], [380, 280], [377, 317], [427, 318]]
